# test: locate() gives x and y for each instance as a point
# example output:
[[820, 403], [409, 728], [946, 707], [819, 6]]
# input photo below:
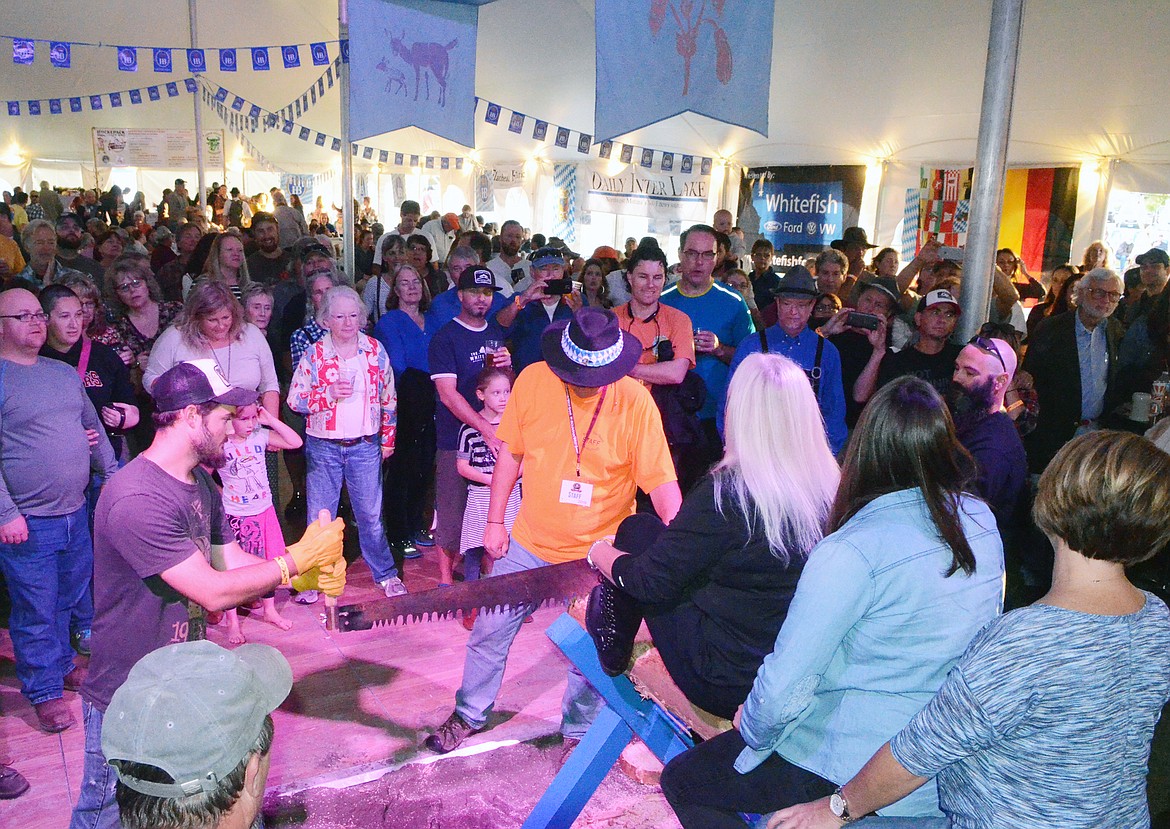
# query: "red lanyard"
[[577, 447], [83, 362]]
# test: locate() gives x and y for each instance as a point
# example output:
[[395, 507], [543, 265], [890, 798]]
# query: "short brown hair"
[[832, 255], [1107, 495]]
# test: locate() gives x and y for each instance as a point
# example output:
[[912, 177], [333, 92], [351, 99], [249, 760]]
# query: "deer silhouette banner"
[[412, 63], [659, 58]]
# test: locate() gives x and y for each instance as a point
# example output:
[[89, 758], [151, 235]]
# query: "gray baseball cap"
[[192, 709]]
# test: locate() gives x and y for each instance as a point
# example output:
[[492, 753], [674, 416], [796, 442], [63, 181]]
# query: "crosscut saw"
[[556, 583]]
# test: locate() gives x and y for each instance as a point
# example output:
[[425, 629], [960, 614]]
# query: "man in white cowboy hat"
[[589, 437]]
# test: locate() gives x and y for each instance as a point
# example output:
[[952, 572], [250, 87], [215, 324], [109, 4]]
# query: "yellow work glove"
[[321, 544], [329, 578]]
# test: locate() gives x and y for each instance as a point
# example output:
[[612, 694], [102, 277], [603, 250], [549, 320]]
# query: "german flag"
[[1039, 208]]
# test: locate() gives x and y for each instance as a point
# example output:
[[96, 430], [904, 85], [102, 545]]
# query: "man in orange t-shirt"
[[589, 437]]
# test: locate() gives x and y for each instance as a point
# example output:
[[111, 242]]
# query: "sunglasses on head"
[[985, 345]]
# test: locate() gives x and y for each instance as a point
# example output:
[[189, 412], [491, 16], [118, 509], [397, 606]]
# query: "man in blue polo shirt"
[[796, 294], [720, 317]]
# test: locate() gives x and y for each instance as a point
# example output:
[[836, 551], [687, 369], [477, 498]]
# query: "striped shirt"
[[1047, 721]]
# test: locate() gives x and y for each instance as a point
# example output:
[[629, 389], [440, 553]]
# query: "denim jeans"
[[48, 580], [487, 654], [96, 807], [360, 467]]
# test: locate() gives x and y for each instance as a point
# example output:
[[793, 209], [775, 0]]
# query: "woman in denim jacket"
[[885, 606]]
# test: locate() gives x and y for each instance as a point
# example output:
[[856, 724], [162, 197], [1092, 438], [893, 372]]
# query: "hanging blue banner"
[[162, 60], [291, 56], [55, 106], [75, 105], [320, 53], [14, 107], [34, 107], [95, 102], [59, 54], [152, 93], [412, 64], [172, 90], [127, 59], [24, 52], [116, 99], [196, 61], [711, 58], [227, 60], [135, 96], [260, 59]]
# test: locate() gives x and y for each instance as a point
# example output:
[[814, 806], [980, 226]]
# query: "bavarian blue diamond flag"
[[412, 63], [660, 58]]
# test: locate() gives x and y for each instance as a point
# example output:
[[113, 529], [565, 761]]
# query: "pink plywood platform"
[[347, 740]]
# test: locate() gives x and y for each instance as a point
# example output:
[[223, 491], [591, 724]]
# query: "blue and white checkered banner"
[[910, 223], [565, 181], [412, 63], [24, 53], [38, 106], [714, 59]]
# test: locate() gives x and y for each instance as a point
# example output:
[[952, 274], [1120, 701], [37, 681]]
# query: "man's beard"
[[970, 406], [269, 245], [69, 243], [207, 454]]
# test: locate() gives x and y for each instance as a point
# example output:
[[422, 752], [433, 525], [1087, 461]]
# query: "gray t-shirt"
[[45, 457], [1047, 720], [146, 522]]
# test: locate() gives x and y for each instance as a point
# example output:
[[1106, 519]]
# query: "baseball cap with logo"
[[939, 297], [194, 383], [472, 278], [194, 710], [547, 256]]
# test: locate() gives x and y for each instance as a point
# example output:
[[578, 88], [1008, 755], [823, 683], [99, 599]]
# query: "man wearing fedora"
[[589, 437], [189, 735], [796, 294], [854, 244]]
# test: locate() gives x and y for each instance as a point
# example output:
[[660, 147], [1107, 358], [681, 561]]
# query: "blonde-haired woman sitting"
[[715, 585]]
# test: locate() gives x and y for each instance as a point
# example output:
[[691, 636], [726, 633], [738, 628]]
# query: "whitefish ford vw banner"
[[800, 210], [638, 191]]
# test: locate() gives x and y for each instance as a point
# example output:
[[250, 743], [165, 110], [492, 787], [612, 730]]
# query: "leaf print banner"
[[660, 58]]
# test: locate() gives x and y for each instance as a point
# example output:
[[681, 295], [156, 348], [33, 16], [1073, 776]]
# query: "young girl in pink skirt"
[[247, 498]]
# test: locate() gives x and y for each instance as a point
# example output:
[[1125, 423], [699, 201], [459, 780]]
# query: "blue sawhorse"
[[626, 715]]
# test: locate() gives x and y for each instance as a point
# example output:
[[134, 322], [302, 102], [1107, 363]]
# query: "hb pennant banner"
[[712, 58], [412, 63]]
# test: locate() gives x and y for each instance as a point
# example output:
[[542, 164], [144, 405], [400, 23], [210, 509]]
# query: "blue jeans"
[[487, 654], [48, 580], [96, 807], [360, 467]]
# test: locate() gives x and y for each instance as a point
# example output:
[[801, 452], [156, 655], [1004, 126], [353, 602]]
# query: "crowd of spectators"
[[856, 483]]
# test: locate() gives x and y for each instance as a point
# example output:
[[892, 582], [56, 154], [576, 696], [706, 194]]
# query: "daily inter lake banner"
[[800, 210]]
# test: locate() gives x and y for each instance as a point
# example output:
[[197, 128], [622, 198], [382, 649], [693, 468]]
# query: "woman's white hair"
[[332, 296], [778, 468]]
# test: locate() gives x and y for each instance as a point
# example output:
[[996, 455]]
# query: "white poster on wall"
[[491, 183], [637, 191], [156, 149]]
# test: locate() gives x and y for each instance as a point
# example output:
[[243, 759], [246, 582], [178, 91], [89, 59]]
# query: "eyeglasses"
[[705, 255], [27, 317], [987, 347], [128, 286], [1112, 296]]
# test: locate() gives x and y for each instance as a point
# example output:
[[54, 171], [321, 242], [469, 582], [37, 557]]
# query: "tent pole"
[[995, 120], [198, 120], [347, 217], [1104, 190]]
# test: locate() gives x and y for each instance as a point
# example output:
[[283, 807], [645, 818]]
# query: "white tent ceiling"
[[852, 80]]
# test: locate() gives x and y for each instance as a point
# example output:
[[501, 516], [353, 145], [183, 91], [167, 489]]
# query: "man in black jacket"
[[1072, 358]]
